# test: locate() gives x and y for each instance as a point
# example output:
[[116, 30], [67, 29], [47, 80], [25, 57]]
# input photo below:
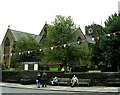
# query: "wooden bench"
[[63, 81], [84, 82], [11, 80], [113, 81]]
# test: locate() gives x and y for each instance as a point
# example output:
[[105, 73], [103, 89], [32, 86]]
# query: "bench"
[[63, 81], [84, 82], [113, 81], [11, 80]]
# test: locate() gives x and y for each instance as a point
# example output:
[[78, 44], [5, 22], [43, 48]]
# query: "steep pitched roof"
[[18, 34], [82, 36], [43, 31], [85, 37]]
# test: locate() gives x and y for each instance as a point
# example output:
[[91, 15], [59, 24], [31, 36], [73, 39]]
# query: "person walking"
[[44, 79], [74, 81], [39, 80]]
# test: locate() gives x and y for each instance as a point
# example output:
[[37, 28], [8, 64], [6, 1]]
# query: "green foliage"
[[108, 47], [11, 69], [112, 44], [95, 49], [23, 45], [63, 31], [25, 80], [26, 43], [112, 24]]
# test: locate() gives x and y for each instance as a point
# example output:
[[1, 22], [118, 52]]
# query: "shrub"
[[25, 80]]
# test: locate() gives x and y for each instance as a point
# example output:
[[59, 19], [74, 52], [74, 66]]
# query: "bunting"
[[57, 46]]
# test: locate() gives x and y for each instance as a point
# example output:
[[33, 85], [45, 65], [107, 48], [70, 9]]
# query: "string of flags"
[[111, 34], [35, 51], [58, 46]]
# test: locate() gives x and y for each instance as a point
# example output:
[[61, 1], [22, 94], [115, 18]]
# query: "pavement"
[[63, 88]]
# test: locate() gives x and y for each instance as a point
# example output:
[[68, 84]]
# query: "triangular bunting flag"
[[92, 39], [51, 48], [55, 46], [82, 41], [64, 45], [28, 52], [40, 49], [78, 42], [68, 44], [114, 34], [22, 52], [98, 38], [108, 34], [19, 53]]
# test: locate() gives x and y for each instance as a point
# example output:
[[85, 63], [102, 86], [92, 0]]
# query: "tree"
[[21, 48], [62, 38], [109, 46], [98, 31]]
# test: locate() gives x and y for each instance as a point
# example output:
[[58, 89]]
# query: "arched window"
[[7, 42], [6, 50]]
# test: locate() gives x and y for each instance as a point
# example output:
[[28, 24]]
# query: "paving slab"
[[63, 88]]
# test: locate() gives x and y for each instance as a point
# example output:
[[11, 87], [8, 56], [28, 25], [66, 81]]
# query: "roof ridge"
[[19, 34], [23, 32]]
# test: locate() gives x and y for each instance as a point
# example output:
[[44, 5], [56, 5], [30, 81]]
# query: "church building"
[[12, 36]]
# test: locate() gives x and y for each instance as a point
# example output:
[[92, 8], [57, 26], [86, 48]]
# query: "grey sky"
[[30, 15]]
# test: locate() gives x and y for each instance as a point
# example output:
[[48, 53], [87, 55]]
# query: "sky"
[[30, 15]]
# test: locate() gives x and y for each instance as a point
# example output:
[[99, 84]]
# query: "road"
[[18, 91]]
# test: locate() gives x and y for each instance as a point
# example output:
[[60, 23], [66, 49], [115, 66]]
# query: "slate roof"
[[85, 37], [18, 34], [89, 39], [81, 34]]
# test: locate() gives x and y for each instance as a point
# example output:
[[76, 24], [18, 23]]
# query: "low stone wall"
[[99, 78]]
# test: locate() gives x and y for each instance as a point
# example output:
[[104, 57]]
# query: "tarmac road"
[[19, 91]]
